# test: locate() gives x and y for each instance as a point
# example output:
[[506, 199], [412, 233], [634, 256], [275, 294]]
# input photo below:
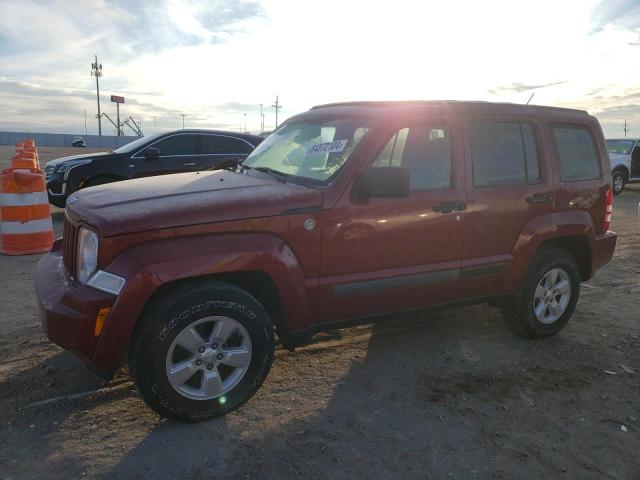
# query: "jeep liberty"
[[346, 214]]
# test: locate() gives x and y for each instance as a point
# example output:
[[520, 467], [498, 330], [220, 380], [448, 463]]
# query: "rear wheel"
[[201, 351], [619, 181], [549, 295]]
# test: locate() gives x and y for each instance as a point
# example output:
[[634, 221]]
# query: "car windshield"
[[136, 144], [620, 146], [312, 149]]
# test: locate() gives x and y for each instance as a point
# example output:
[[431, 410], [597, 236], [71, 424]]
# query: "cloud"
[[619, 13], [521, 87]]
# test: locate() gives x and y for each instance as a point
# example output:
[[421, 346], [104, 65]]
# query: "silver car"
[[624, 156]]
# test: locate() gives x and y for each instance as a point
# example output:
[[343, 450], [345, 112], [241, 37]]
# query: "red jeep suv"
[[347, 213]]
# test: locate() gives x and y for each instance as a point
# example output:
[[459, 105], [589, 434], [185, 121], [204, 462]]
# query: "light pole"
[[245, 122], [96, 71], [261, 120], [182, 115]]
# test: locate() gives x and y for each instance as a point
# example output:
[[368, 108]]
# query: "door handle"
[[448, 207], [538, 198]]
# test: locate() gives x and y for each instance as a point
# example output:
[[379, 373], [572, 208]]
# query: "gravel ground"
[[446, 394]]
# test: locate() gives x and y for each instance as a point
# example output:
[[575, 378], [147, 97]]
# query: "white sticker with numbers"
[[328, 147]]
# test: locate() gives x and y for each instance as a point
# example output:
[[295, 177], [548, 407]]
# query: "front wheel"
[[619, 181], [549, 296], [201, 351]]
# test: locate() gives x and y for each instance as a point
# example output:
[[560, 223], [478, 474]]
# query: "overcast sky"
[[216, 60]]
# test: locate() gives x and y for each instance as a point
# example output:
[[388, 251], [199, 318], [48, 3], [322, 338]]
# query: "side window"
[[425, 151], [577, 153], [216, 144], [182, 144], [504, 153]]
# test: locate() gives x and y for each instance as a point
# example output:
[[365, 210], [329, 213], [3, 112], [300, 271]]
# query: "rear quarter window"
[[577, 153]]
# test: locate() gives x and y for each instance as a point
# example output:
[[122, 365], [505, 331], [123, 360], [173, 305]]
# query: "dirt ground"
[[450, 394]]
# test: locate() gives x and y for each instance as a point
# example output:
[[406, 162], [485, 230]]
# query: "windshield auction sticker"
[[328, 147]]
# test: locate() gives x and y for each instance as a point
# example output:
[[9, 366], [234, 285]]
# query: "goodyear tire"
[[201, 350], [549, 296]]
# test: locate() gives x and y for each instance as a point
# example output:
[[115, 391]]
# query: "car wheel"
[[549, 296], [619, 181], [201, 350]]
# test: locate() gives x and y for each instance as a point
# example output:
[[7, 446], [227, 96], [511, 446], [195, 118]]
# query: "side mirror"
[[151, 153], [383, 182]]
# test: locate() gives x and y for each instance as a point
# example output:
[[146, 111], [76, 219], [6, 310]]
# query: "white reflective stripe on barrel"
[[33, 226], [23, 199]]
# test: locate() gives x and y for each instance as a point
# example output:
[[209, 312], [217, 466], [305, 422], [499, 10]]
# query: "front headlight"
[[87, 254], [68, 165]]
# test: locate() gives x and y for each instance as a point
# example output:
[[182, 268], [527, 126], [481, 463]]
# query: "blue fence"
[[63, 139]]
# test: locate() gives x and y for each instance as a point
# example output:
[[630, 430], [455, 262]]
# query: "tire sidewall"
[[169, 320], [543, 265], [620, 174]]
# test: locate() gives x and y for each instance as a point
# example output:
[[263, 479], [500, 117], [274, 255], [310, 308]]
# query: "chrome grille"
[[48, 171]]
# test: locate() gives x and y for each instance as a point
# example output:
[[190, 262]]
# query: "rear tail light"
[[608, 209]]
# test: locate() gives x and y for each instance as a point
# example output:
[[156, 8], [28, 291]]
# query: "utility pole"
[[96, 71], [155, 127], [182, 115], [85, 122], [277, 106], [625, 129], [261, 120], [245, 122]]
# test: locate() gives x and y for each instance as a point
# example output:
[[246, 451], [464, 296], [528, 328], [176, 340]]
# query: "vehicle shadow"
[[416, 398]]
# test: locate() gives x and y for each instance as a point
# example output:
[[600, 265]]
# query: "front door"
[[388, 254], [179, 152]]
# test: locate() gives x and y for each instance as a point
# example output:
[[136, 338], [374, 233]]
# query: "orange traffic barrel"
[[25, 216], [25, 159], [28, 143]]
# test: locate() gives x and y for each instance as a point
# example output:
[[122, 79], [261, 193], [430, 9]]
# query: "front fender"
[[151, 265]]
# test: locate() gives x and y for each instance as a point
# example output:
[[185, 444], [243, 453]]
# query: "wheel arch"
[[262, 264]]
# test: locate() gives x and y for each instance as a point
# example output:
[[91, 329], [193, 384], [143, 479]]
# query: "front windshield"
[[620, 146], [313, 149], [136, 144]]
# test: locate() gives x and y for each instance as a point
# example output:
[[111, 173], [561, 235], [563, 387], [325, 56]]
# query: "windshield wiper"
[[280, 176]]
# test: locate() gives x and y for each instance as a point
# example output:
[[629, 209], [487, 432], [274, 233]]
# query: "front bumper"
[[56, 189], [68, 310]]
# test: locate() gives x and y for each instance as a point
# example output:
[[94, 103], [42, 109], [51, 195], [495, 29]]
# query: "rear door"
[[509, 183], [179, 152], [220, 149]]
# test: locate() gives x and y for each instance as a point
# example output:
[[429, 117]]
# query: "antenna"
[[277, 106], [530, 97], [96, 71]]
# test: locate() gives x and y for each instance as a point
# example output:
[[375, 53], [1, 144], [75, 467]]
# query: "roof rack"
[[436, 103]]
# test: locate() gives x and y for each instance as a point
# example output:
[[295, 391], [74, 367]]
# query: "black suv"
[[173, 152]]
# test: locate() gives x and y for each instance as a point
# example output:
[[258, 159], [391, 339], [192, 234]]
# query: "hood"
[[618, 158], [182, 199], [58, 161]]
